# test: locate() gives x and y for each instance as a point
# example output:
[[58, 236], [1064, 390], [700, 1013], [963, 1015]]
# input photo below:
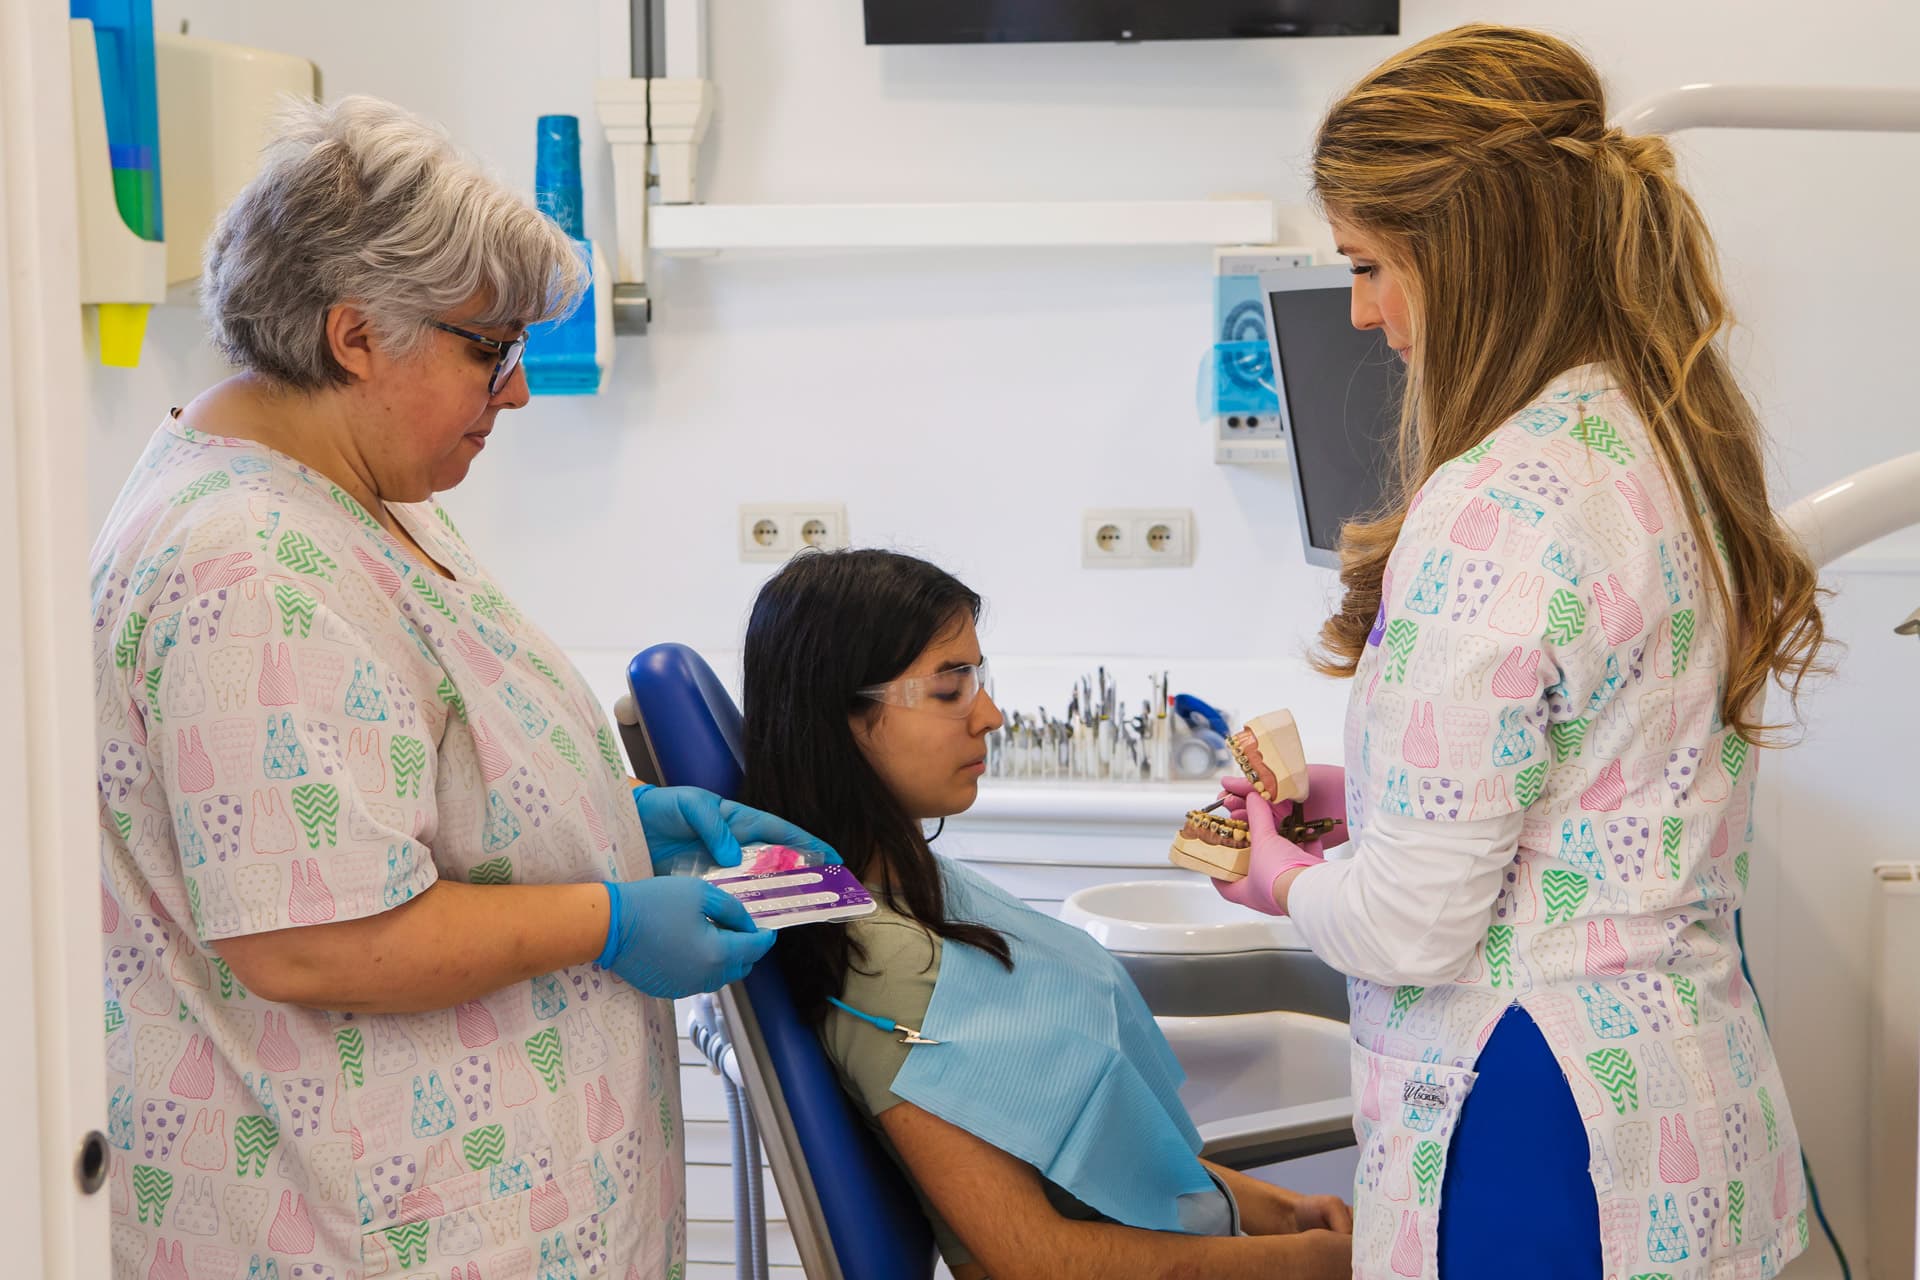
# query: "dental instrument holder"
[[571, 355], [1099, 740]]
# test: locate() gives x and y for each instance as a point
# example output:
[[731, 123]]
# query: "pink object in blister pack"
[[780, 886], [755, 858]]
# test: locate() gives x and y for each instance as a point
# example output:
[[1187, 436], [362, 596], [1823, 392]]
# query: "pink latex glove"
[[1326, 798], [1271, 854]]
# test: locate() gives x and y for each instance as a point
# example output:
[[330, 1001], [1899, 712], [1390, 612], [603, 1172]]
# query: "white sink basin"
[[1241, 1066], [1274, 1072], [1174, 917]]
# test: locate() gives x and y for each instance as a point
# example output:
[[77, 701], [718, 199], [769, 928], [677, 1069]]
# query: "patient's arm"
[[995, 1204], [1267, 1210]]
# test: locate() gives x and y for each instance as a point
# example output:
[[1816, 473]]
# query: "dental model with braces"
[[1268, 751], [1212, 844]]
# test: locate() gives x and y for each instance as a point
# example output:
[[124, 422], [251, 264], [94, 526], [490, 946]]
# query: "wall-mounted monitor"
[[1339, 390], [1024, 21]]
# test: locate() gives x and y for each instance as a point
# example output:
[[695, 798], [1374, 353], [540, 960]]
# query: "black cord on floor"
[[1806, 1166]]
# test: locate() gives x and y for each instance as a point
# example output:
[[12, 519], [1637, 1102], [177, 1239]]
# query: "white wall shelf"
[[699, 228]]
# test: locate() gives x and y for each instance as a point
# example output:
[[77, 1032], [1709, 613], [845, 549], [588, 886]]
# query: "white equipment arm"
[[1884, 498]]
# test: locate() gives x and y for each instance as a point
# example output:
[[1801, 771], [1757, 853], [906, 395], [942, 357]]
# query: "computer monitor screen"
[[1339, 400]]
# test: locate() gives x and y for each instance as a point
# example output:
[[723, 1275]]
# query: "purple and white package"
[[780, 887]]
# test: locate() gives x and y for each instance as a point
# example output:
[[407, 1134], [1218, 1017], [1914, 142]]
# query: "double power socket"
[[1110, 537], [1136, 538], [775, 531]]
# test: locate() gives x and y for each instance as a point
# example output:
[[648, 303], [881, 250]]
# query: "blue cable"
[[1806, 1166], [885, 1024]]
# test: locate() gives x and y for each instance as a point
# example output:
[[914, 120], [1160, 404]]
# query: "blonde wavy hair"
[[1530, 238]]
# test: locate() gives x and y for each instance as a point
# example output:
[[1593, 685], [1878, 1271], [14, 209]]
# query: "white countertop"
[[1160, 805]]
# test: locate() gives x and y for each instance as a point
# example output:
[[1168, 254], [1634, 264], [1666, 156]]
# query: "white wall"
[[969, 404]]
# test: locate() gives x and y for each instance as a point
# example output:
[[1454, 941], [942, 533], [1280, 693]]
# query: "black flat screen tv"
[[1025, 21]]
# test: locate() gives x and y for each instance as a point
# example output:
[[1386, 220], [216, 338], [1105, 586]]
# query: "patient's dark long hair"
[[825, 625]]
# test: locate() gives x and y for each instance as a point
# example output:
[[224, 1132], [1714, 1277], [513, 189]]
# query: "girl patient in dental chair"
[[1037, 1113]]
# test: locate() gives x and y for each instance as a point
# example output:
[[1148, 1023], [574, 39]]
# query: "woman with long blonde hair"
[[1560, 626]]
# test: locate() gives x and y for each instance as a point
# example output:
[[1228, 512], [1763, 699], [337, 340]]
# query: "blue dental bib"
[[1058, 1063]]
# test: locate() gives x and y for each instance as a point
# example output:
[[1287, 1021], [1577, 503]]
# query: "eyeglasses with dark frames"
[[509, 352]]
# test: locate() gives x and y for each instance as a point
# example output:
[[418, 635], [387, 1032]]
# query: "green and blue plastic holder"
[[123, 38]]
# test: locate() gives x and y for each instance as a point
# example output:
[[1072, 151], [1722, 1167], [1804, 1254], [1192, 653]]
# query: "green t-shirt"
[[902, 963]]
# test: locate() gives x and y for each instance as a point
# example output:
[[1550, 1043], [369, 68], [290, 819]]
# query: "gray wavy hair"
[[362, 200]]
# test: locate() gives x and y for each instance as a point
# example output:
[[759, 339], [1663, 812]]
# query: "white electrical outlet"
[[774, 531], [1136, 538]]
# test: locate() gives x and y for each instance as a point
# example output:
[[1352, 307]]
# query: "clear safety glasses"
[[509, 352], [948, 693]]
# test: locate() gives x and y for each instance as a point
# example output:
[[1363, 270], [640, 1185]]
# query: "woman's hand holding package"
[[681, 820], [672, 936]]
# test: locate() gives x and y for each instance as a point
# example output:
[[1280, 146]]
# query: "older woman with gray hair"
[[386, 963]]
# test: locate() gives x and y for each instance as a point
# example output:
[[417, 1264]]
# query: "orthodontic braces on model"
[[1268, 751]]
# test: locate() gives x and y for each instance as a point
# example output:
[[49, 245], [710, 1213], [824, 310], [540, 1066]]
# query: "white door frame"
[[53, 1068]]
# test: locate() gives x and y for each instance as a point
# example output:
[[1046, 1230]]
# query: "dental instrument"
[[1165, 737]]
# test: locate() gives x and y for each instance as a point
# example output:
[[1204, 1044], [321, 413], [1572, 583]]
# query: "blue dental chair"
[[851, 1213]]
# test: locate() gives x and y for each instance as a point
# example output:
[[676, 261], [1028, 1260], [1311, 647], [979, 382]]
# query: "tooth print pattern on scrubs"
[[299, 724], [1547, 646]]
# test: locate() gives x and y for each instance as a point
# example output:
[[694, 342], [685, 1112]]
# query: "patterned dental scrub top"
[[299, 723], [1549, 650]]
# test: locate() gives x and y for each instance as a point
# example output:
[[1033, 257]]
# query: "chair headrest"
[[689, 719]]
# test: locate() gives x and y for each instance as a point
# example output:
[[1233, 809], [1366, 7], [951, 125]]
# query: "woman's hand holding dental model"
[[1273, 861]]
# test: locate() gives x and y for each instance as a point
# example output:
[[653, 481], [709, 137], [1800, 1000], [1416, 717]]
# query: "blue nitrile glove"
[[672, 936], [681, 820]]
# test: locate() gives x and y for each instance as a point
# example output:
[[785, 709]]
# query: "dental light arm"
[[1863, 507], [1883, 498], [1759, 106]]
